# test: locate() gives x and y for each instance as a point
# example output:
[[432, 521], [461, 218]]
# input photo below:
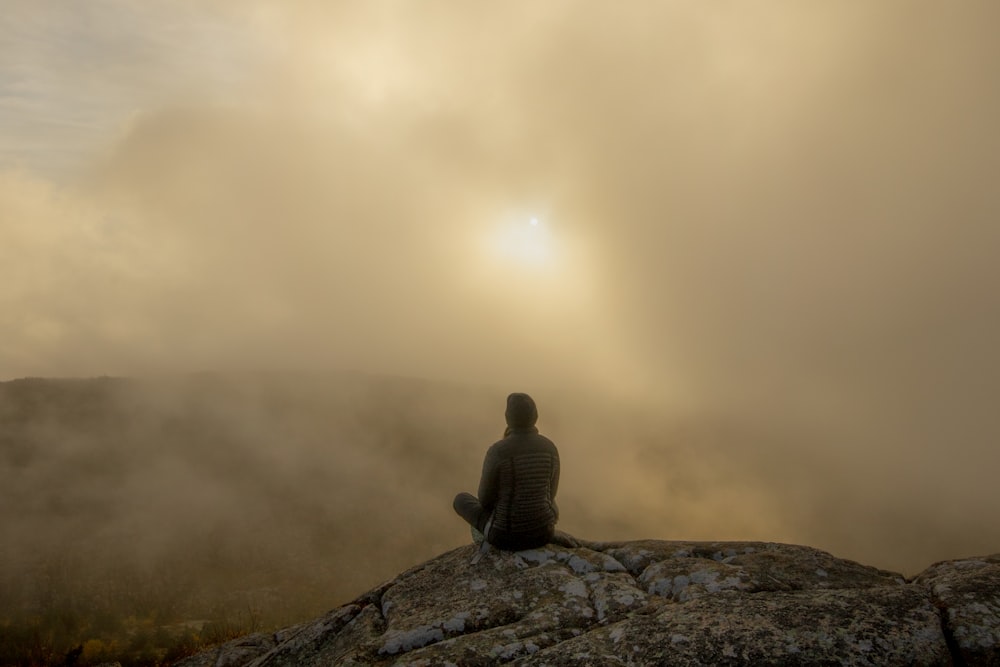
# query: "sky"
[[780, 210]]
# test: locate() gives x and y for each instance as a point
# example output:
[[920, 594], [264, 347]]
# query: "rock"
[[650, 603], [884, 626], [233, 653], [968, 592]]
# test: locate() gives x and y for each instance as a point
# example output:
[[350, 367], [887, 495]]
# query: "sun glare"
[[528, 250], [525, 242]]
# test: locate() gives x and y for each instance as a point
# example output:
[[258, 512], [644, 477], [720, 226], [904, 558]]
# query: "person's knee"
[[463, 500]]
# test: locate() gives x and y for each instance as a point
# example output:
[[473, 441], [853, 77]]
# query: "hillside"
[[142, 519]]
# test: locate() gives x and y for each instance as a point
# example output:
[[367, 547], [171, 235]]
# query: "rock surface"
[[649, 603]]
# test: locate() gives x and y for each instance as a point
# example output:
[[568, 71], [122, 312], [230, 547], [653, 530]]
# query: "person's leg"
[[521, 541], [469, 508]]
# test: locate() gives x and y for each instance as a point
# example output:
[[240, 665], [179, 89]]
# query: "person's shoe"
[[565, 540]]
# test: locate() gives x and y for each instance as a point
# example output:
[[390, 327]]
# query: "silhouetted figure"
[[516, 507]]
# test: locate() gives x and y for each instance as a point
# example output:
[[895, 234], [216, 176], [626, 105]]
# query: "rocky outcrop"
[[968, 594], [650, 603]]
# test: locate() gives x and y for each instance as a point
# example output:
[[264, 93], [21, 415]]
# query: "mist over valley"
[[253, 500]]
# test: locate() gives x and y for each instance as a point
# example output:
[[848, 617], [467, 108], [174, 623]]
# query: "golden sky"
[[735, 203]]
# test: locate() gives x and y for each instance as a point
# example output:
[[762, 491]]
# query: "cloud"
[[782, 214], [722, 168]]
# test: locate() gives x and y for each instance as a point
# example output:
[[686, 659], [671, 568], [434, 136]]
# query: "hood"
[[521, 411]]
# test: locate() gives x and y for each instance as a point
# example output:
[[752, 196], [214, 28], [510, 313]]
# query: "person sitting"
[[516, 507]]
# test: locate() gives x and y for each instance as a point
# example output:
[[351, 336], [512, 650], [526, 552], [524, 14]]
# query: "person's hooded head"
[[521, 411]]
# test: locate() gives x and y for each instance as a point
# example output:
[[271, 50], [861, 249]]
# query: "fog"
[[766, 241]]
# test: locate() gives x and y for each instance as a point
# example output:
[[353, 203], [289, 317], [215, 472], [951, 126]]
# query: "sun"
[[527, 260], [526, 242], [527, 248]]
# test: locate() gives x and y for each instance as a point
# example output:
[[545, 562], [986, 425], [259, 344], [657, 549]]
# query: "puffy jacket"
[[521, 474]]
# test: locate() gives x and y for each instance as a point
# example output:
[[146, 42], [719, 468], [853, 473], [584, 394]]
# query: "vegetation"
[[143, 521]]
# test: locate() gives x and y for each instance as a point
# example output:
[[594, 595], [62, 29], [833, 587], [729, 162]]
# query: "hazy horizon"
[[361, 470], [780, 218]]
